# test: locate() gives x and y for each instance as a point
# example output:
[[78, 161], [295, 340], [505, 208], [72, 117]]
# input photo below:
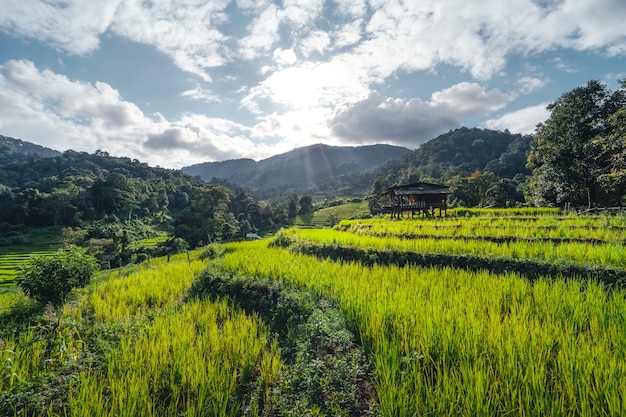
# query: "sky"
[[179, 82]]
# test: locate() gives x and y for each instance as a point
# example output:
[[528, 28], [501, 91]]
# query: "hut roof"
[[418, 188]]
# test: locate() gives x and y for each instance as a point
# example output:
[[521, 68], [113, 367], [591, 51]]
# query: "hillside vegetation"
[[16, 150], [460, 152]]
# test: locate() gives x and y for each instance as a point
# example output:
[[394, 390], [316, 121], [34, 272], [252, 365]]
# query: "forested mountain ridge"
[[77, 186], [16, 150], [482, 167], [460, 152], [309, 168]]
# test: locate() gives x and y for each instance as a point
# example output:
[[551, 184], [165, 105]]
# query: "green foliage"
[[207, 219], [50, 280], [458, 152], [613, 145], [455, 157], [480, 190], [306, 204], [567, 163], [74, 188]]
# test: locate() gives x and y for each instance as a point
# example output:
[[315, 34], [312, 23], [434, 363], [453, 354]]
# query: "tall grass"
[[187, 362], [450, 342], [130, 346], [124, 298]]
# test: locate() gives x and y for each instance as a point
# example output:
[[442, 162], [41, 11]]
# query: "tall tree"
[[292, 206], [207, 218], [564, 161], [306, 204]]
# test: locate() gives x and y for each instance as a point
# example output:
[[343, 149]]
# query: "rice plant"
[[188, 361], [450, 342]]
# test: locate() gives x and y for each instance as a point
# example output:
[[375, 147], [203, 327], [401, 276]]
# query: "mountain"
[[460, 152], [305, 169], [16, 150]]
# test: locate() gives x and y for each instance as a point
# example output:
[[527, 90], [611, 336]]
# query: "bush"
[[50, 280]]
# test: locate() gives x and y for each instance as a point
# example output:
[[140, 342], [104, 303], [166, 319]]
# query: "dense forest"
[[106, 202]]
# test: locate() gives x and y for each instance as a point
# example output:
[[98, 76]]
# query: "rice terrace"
[[514, 312]]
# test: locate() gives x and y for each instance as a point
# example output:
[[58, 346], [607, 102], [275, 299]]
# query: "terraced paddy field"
[[488, 313], [41, 242]]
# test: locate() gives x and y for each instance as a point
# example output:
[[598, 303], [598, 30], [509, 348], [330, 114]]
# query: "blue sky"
[[177, 82]]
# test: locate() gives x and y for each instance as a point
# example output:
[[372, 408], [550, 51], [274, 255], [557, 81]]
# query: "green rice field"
[[488, 313]]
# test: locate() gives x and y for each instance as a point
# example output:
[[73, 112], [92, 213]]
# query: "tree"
[[565, 164], [50, 280], [292, 206], [306, 204], [614, 146], [59, 201], [114, 195], [205, 219], [484, 189]]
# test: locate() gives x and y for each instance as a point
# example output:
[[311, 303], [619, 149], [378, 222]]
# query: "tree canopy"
[[572, 152]]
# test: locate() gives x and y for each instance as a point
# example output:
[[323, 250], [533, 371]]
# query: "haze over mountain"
[[305, 168]]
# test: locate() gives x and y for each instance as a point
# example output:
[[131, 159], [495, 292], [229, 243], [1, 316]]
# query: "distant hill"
[[460, 152], [16, 150], [303, 169]]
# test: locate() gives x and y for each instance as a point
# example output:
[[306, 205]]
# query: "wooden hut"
[[417, 198]]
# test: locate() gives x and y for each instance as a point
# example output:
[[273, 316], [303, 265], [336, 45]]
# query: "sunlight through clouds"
[[292, 72]]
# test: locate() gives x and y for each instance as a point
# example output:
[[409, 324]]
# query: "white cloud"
[[317, 41], [75, 106], [318, 58], [54, 111], [284, 57], [560, 64], [251, 6], [531, 84], [201, 94], [348, 34], [351, 8], [301, 13], [309, 85], [74, 26], [470, 98], [409, 123], [378, 119], [297, 127], [262, 34], [476, 36], [596, 24], [522, 121], [185, 31]]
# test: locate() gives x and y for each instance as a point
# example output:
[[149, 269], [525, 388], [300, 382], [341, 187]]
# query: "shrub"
[[50, 280]]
